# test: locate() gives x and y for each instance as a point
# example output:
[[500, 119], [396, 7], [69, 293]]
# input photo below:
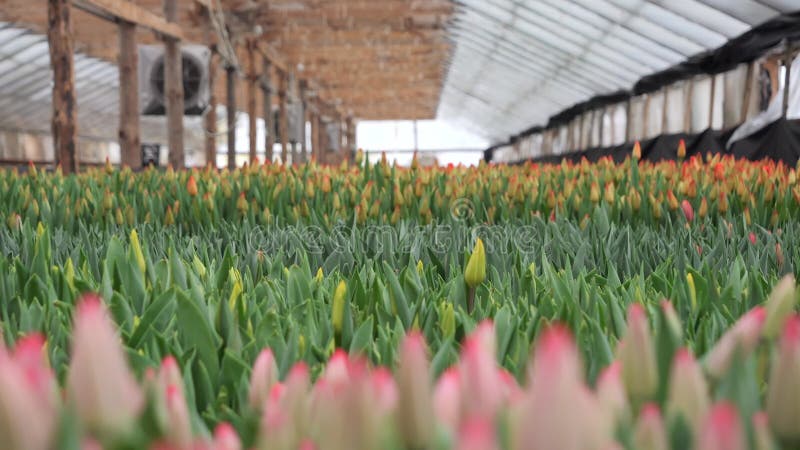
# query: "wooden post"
[[252, 92], [64, 129], [628, 127], [315, 133], [787, 76], [283, 119], [230, 80], [687, 108], [304, 120], [711, 106], [323, 139], [129, 144], [351, 136], [646, 116], [269, 118], [211, 115], [173, 90], [664, 111], [748, 88]]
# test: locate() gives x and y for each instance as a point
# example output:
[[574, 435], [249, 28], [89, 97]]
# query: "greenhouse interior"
[[400, 224]]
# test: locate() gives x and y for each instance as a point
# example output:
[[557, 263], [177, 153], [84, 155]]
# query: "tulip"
[[558, 412], [762, 436], [638, 358], [719, 172], [650, 433], [611, 392], [475, 272], [263, 377], [179, 429], [191, 186], [743, 335], [637, 151], [447, 399], [681, 149], [722, 430], [100, 385], [688, 211], [783, 391], [447, 319], [779, 306], [594, 192], [688, 392], [481, 389], [672, 201], [337, 314], [477, 434], [415, 417]]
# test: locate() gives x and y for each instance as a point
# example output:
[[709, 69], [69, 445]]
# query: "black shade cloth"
[[745, 48], [779, 141]]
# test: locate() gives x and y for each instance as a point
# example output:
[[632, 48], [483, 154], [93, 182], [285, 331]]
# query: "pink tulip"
[[276, 430], [722, 430], [225, 438], [447, 399], [384, 390], [27, 417], [169, 374], [611, 392], [100, 385], [783, 391], [762, 436], [415, 418], [688, 392], [752, 237], [179, 428], [688, 211], [559, 411], [650, 433], [481, 388], [743, 335], [263, 377], [477, 433], [638, 357]]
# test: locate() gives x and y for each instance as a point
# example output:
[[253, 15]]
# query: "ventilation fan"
[[196, 90]]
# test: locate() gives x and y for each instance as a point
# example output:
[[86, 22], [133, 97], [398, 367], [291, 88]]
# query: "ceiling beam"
[[130, 12]]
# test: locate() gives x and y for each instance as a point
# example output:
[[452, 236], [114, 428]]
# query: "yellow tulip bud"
[[337, 315], [475, 272]]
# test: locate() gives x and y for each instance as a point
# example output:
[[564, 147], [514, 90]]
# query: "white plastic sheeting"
[[518, 62], [26, 105]]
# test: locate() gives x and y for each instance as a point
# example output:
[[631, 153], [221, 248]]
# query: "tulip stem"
[[470, 299]]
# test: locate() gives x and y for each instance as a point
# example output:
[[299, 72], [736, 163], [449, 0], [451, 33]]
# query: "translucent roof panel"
[[516, 63]]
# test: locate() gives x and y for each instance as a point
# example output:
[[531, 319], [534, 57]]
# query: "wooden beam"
[[269, 118], [64, 129], [687, 105], [748, 88], [787, 76], [211, 114], [284, 118], [173, 90], [712, 101], [129, 144], [130, 12], [252, 92], [304, 118], [230, 112], [269, 53]]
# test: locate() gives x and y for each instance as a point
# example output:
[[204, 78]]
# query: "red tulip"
[[414, 408], [688, 211], [722, 430], [743, 335], [263, 377]]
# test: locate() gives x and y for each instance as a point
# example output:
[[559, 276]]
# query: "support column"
[[269, 118], [304, 120], [252, 90], [351, 136], [127, 62], [211, 115], [283, 119], [173, 90], [64, 129], [787, 76], [230, 80]]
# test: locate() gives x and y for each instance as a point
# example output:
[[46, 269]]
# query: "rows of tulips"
[[764, 193], [379, 307], [654, 395]]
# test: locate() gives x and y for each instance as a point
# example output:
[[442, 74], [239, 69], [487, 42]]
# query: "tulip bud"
[[762, 436], [638, 358], [475, 272], [415, 419], [447, 319], [191, 186], [722, 430], [743, 336], [703, 211], [637, 151], [337, 315], [779, 306], [681, 149], [688, 211], [481, 387], [611, 392], [179, 428], [672, 201], [719, 171], [650, 433], [594, 192], [477, 434], [783, 391], [610, 193], [99, 384], [169, 218], [263, 377], [241, 203], [688, 392], [447, 399]]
